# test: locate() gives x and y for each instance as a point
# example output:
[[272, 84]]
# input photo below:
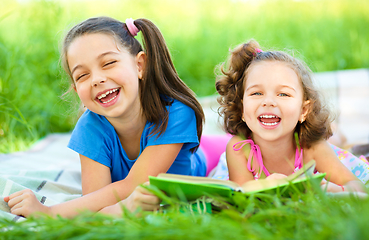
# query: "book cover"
[[189, 188]]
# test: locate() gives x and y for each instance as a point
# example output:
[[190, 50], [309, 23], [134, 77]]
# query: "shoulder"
[[91, 119], [319, 146], [234, 140], [235, 150], [180, 113], [181, 126], [319, 150], [91, 125], [177, 107]]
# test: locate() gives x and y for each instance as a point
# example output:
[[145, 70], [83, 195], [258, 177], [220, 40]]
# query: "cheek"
[[83, 92], [248, 112]]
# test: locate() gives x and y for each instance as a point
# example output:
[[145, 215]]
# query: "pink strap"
[[255, 150], [133, 30], [298, 159]]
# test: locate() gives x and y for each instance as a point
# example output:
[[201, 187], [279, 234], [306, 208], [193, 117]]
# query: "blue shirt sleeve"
[[181, 128], [91, 137]]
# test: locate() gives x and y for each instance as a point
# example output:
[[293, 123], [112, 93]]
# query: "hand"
[[25, 203], [139, 198], [274, 176], [330, 187]]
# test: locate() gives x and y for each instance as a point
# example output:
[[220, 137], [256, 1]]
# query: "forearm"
[[355, 186], [94, 201]]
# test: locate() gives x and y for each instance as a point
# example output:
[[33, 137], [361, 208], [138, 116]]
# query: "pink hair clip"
[[258, 50], [133, 30]]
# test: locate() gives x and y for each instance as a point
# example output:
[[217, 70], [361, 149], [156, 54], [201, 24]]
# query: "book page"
[[258, 185], [199, 180]]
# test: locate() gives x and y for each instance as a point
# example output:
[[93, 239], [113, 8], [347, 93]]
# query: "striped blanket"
[[49, 168]]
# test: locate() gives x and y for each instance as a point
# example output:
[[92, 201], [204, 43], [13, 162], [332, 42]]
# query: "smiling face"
[[105, 75], [273, 101]]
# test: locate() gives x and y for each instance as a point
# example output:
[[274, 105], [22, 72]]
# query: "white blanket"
[[49, 168]]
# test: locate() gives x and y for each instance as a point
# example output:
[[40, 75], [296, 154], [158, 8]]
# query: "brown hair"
[[230, 85], [161, 78]]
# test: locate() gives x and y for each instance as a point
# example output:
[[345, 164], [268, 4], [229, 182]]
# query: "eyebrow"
[[286, 86], [280, 86], [252, 86], [98, 57]]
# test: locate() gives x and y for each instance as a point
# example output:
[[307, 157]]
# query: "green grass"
[[330, 34], [311, 215]]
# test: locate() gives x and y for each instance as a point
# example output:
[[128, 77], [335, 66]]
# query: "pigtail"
[[161, 78], [230, 86]]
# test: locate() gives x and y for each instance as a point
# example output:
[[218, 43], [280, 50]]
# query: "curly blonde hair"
[[230, 85]]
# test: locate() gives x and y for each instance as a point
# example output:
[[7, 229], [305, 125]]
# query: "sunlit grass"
[[311, 215], [328, 34]]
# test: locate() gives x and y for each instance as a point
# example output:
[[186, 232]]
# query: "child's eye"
[[283, 95], [256, 94], [109, 63], [81, 76]]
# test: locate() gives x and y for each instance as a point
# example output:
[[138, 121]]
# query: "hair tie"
[[257, 50], [132, 29]]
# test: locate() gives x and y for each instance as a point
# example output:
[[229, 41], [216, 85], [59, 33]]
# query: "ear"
[[305, 110], [141, 63]]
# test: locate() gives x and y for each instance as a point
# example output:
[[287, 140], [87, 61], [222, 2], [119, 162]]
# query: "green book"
[[189, 188]]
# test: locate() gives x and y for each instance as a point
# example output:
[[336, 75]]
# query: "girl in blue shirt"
[[141, 118]]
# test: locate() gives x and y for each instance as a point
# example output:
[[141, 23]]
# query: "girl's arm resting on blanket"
[[351, 186], [94, 175], [153, 160]]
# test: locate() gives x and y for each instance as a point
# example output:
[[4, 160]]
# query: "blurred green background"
[[328, 34]]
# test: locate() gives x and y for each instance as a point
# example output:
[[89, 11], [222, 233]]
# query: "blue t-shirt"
[[95, 138]]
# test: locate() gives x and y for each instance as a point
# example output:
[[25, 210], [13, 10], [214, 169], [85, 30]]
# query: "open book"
[[191, 188]]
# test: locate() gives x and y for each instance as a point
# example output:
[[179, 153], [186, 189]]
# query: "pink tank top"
[[255, 152]]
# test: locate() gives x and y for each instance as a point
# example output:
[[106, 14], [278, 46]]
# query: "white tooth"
[[267, 116], [110, 99], [269, 124]]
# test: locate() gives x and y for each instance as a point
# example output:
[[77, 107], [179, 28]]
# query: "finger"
[[19, 193], [26, 194], [144, 191], [146, 183], [150, 199], [16, 207], [17, 211], [149, 207], [6, 199], [13, 195], [14, 201]]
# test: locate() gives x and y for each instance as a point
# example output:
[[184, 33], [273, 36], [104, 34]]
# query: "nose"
[[269, 101], [98, 79]]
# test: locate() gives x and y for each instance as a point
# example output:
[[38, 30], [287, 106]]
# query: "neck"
[[276, 151], [130, 127]]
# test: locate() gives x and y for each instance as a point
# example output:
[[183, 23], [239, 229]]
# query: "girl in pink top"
[[266, 97]]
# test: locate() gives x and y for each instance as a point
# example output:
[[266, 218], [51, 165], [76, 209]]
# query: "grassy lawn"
[[313, 215], [329, 34]]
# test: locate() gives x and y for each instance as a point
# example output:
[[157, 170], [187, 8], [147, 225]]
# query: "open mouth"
[[108, 96], [269, 120]]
